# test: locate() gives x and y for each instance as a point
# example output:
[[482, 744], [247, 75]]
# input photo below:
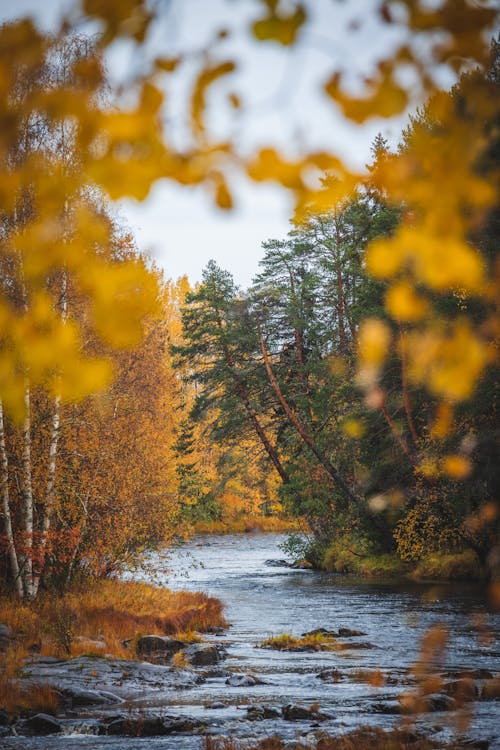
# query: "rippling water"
[[262, 601]]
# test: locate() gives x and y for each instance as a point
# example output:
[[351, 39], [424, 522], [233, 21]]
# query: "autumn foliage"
[[91, 431]]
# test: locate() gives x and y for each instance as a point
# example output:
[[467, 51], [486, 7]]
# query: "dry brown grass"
[[365, 738], [249, 524], [316, 641], [15, 698], [98, 619]]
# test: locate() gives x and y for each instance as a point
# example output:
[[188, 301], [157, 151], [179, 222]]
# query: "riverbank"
[[252, 524], [348, 558], [105, 618], [358, 671]]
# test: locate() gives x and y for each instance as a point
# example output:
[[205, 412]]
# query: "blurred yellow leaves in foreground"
[[65, 146]]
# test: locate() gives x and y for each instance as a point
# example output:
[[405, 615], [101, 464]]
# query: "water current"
[[261, 600]]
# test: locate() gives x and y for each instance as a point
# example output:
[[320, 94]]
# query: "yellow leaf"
[[353, 428], [456, 466], [403, 304], [278, 26], [384, 258], [384, 96], [373, 342], [208, 76]]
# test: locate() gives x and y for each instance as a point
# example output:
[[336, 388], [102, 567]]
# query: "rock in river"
[[261, 712], [298, 712], [349, 633], [151, 726], [243, 680], [43, 724]]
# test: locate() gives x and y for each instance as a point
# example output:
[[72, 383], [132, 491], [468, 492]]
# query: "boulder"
[[151, 726], [203, 654], [158, 648], [216, 705], [298, 712], [473, 674], [330, 675], [302, 565], [464, 689], [43, 724], [389, 707], [491, 689], [277, 564], [180, 724], [211, 674], [349, 633], [215, 630], [320, 631], [140, 726], [439, 702], [83, 697], [243, 680], [6, 636], [261, 712]]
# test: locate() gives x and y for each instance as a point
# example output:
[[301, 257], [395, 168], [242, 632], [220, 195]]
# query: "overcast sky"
[[283, 106]]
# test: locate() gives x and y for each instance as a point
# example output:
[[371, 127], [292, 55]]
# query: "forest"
[[348, 397]]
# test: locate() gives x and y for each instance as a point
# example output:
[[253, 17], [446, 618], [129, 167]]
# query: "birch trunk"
[[27, 495], [7, 518], [52, 459]]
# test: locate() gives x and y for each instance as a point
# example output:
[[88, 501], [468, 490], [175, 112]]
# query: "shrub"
[[463, 566]]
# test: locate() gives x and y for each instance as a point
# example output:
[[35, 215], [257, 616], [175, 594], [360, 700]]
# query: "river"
[[261, 601]]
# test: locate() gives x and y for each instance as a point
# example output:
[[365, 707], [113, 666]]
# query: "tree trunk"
[[7, 518], [49, 493], [338, 479], [27, 496], [243, 394], [52, 459]]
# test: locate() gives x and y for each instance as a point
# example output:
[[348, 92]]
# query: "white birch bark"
[[7, 518], [27, 495], [52, 458]]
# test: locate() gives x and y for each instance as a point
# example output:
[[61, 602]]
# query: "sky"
[[282, 106]]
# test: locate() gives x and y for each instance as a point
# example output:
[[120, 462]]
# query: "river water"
[[261, 601]]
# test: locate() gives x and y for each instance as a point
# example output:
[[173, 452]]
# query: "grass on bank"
[[103, 619], [350, 558], [461, 566], [285, 642], [340, 558], [365, 738], [250, 524]]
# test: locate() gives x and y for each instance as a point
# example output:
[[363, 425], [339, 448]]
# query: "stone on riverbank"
[[43, 724], [6, 637], [82, 697], [158, 649], [203, 654]]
